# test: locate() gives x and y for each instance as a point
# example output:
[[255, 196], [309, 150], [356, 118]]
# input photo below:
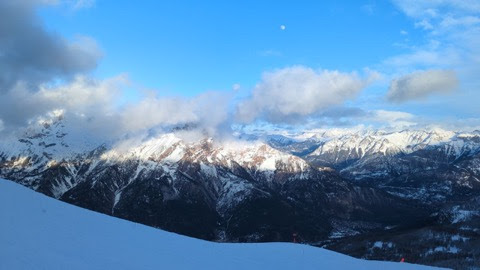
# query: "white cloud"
[[425, 58], [206, 112], [30, 54], [83, 96], [80, 4], [450, 21], [424, 24], [431, 8], [73, 4], [421, 84], [299, 91], [151, 112], [391, 119], [84, 93], [453, 26], [391, 116], [94, 106]]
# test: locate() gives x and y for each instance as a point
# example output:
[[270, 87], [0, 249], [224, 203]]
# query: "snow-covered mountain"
[[387, 159], [219, 190], [336, 147], [38, 232], [341, 189]]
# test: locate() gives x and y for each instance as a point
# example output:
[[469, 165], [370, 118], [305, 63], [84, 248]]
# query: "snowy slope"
[[38, 232]]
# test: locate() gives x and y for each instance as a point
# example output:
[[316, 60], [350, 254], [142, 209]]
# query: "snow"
[[342, 232], [118, 195], [175, 156], [165, 147], [384, 142], [460, 215], [236, 190], [39, 232], [457, 237], [449, 249], [208, 170], [380, 244], [268, 164]]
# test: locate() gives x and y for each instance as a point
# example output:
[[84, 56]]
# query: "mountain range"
[[369, 193]]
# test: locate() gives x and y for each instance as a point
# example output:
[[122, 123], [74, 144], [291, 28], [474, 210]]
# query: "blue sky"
[[187, 47], [399, 63]]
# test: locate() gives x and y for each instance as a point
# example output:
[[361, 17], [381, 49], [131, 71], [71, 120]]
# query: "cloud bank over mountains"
[[41, 72], [287, 94]]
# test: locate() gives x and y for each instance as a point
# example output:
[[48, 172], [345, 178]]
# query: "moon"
[[282, 27]]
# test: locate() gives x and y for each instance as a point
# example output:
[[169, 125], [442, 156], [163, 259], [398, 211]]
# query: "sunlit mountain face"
[[348, 126]]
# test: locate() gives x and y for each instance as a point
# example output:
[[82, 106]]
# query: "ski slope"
[[38, 232]]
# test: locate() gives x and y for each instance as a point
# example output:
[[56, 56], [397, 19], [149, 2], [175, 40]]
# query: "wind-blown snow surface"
[[38, 232]]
